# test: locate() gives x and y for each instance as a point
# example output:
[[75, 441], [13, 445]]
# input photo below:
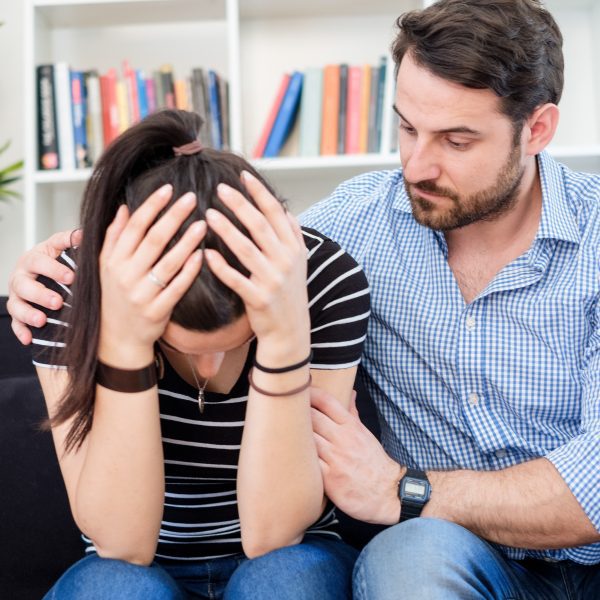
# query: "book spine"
[[372, 127], [94, 116], [365, 95], [310, 112], [181, 95], [331, 108], [48, 154], [131, 96], [142, 93], [160, 92], [123, 108], [215, 111], [379, 109], [151, 95], [79, 117], [353, 110], [199, 103], [285, 116], [168, 87], [64, 115], [224, 108], [342, 116], [110, 110], [259, 149]]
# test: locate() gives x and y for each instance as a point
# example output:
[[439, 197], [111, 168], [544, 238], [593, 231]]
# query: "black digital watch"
[[414, 491]]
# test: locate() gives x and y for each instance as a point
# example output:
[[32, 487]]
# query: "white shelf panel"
[[320, 163], [268, 9], [105, 13], [591, 151], [59, 176]]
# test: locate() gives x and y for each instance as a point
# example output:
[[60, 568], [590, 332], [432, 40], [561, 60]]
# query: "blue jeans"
[[431, 559], [318, 568]]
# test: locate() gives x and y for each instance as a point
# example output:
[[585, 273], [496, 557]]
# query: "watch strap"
[[128, 381]]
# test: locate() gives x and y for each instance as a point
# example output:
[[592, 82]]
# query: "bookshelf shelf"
[[252, 42]]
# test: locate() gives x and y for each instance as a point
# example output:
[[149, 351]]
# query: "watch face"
[[415, 490]]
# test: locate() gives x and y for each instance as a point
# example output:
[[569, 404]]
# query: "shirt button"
[[500, 453], [473, 398], [470, 323]]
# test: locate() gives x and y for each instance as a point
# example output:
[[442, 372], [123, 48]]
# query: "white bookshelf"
[[252, 42]]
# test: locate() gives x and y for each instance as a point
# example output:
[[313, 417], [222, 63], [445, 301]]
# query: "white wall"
[[11, 127]]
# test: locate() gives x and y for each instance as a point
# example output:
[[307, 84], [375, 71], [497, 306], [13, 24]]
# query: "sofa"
[[38, 539]]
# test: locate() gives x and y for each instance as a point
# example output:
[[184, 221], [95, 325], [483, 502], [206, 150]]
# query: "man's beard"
[[485, 205]]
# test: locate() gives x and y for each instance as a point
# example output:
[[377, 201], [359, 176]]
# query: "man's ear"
[[541, 127]]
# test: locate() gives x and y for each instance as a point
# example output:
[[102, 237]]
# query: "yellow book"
[[122, 106], [365, 99]]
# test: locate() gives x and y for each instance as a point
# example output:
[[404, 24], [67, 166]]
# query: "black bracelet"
[[293, 392], [284, 369], [127, 381]]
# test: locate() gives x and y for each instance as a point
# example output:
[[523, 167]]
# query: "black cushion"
[[38, 539]]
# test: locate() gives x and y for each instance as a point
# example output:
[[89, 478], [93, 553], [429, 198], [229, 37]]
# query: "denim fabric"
[[431, 559], [317, 568]]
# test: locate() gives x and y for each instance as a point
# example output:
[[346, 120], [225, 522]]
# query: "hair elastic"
[[188, 149]]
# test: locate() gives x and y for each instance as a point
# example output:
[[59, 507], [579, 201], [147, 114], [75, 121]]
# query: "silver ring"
[[156, 281]]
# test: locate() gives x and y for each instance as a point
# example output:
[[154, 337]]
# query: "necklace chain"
[[200, 387]]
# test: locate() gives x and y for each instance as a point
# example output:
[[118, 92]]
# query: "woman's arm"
[[115, 479], [280, 488]]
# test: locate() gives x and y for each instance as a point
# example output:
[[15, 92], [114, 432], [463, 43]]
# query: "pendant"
[[201, 400]]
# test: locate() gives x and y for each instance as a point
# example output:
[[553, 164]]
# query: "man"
[[483, 354]]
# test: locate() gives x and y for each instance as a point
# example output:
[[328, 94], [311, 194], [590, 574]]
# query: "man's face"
[[461, 157]]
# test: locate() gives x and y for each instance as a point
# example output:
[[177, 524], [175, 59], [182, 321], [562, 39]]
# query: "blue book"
[[285, 117], [79, 111], [215, 109], [142, 94]]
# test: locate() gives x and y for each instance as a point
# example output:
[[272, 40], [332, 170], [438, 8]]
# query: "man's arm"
[[24, 289], [528, 505]]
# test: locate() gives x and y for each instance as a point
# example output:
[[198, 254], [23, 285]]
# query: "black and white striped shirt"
[[201, 450]]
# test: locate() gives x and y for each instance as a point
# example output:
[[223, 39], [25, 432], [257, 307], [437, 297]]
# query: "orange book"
[[353, 110], [365, 99], [181, 94], [259, 149], [331, 109]]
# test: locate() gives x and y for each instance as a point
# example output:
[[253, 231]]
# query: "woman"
[[182, 422]]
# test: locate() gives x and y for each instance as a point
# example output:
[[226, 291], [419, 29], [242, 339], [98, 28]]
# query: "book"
[[215, 109], [159, 92], [95, 136], [131, 100], [285, 116], [181, 99], [372, 119], [79, 109], [123, 109], [199, 103], [48, 155], [379, 110], [64, 116], [331, 108], [365, 98], [224, 108], [168, 86], [110, 111], [343, 109], [259, 149], [353, 110], [310, 112], [151, 95], [142, 93]]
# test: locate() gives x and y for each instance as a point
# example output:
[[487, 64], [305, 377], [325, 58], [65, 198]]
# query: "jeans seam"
[[566, 582]]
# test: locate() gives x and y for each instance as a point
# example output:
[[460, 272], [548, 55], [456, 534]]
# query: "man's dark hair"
[[512, 47]]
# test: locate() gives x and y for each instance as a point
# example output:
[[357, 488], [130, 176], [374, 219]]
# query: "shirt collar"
[[557, 221]]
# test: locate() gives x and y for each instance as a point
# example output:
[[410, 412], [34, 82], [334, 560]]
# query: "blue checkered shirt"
[[512, 376]]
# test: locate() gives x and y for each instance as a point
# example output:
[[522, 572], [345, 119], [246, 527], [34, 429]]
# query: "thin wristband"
[[278, 394], [127, 381], [284, 369]]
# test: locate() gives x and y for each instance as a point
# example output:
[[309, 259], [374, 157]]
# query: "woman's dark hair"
[[136, 164], [512, 47]]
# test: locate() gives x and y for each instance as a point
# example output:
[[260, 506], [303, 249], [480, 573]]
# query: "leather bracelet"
[[297, 390], [127, 381], [284, 369]]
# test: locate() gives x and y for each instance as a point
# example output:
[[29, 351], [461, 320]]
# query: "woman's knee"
[[315, 568], [96, 578]]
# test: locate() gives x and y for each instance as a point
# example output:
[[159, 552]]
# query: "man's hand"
[[359, 477], [23, 287]]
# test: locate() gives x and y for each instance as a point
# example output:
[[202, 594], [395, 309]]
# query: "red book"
[[132, 92], [353, 110], [259, 149], [331, 109], [110, 112]]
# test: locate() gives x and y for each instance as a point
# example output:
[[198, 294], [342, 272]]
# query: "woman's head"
[[142, 160], [135, 165]]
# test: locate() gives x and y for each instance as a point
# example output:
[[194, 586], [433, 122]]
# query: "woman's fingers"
[[243, 248], [174, 260], [113, 232], [269, 206], [165, 301], [232, 278], [161, 233], [141, 220]]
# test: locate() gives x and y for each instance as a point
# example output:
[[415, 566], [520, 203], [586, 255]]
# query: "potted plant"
[[8, 176]]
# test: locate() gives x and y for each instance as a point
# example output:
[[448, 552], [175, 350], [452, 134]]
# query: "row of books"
[[338, 109], [81, 112]]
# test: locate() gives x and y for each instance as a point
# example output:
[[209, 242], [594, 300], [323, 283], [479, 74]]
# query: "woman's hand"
[[139, 288], [275, 293], [23, 287]]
